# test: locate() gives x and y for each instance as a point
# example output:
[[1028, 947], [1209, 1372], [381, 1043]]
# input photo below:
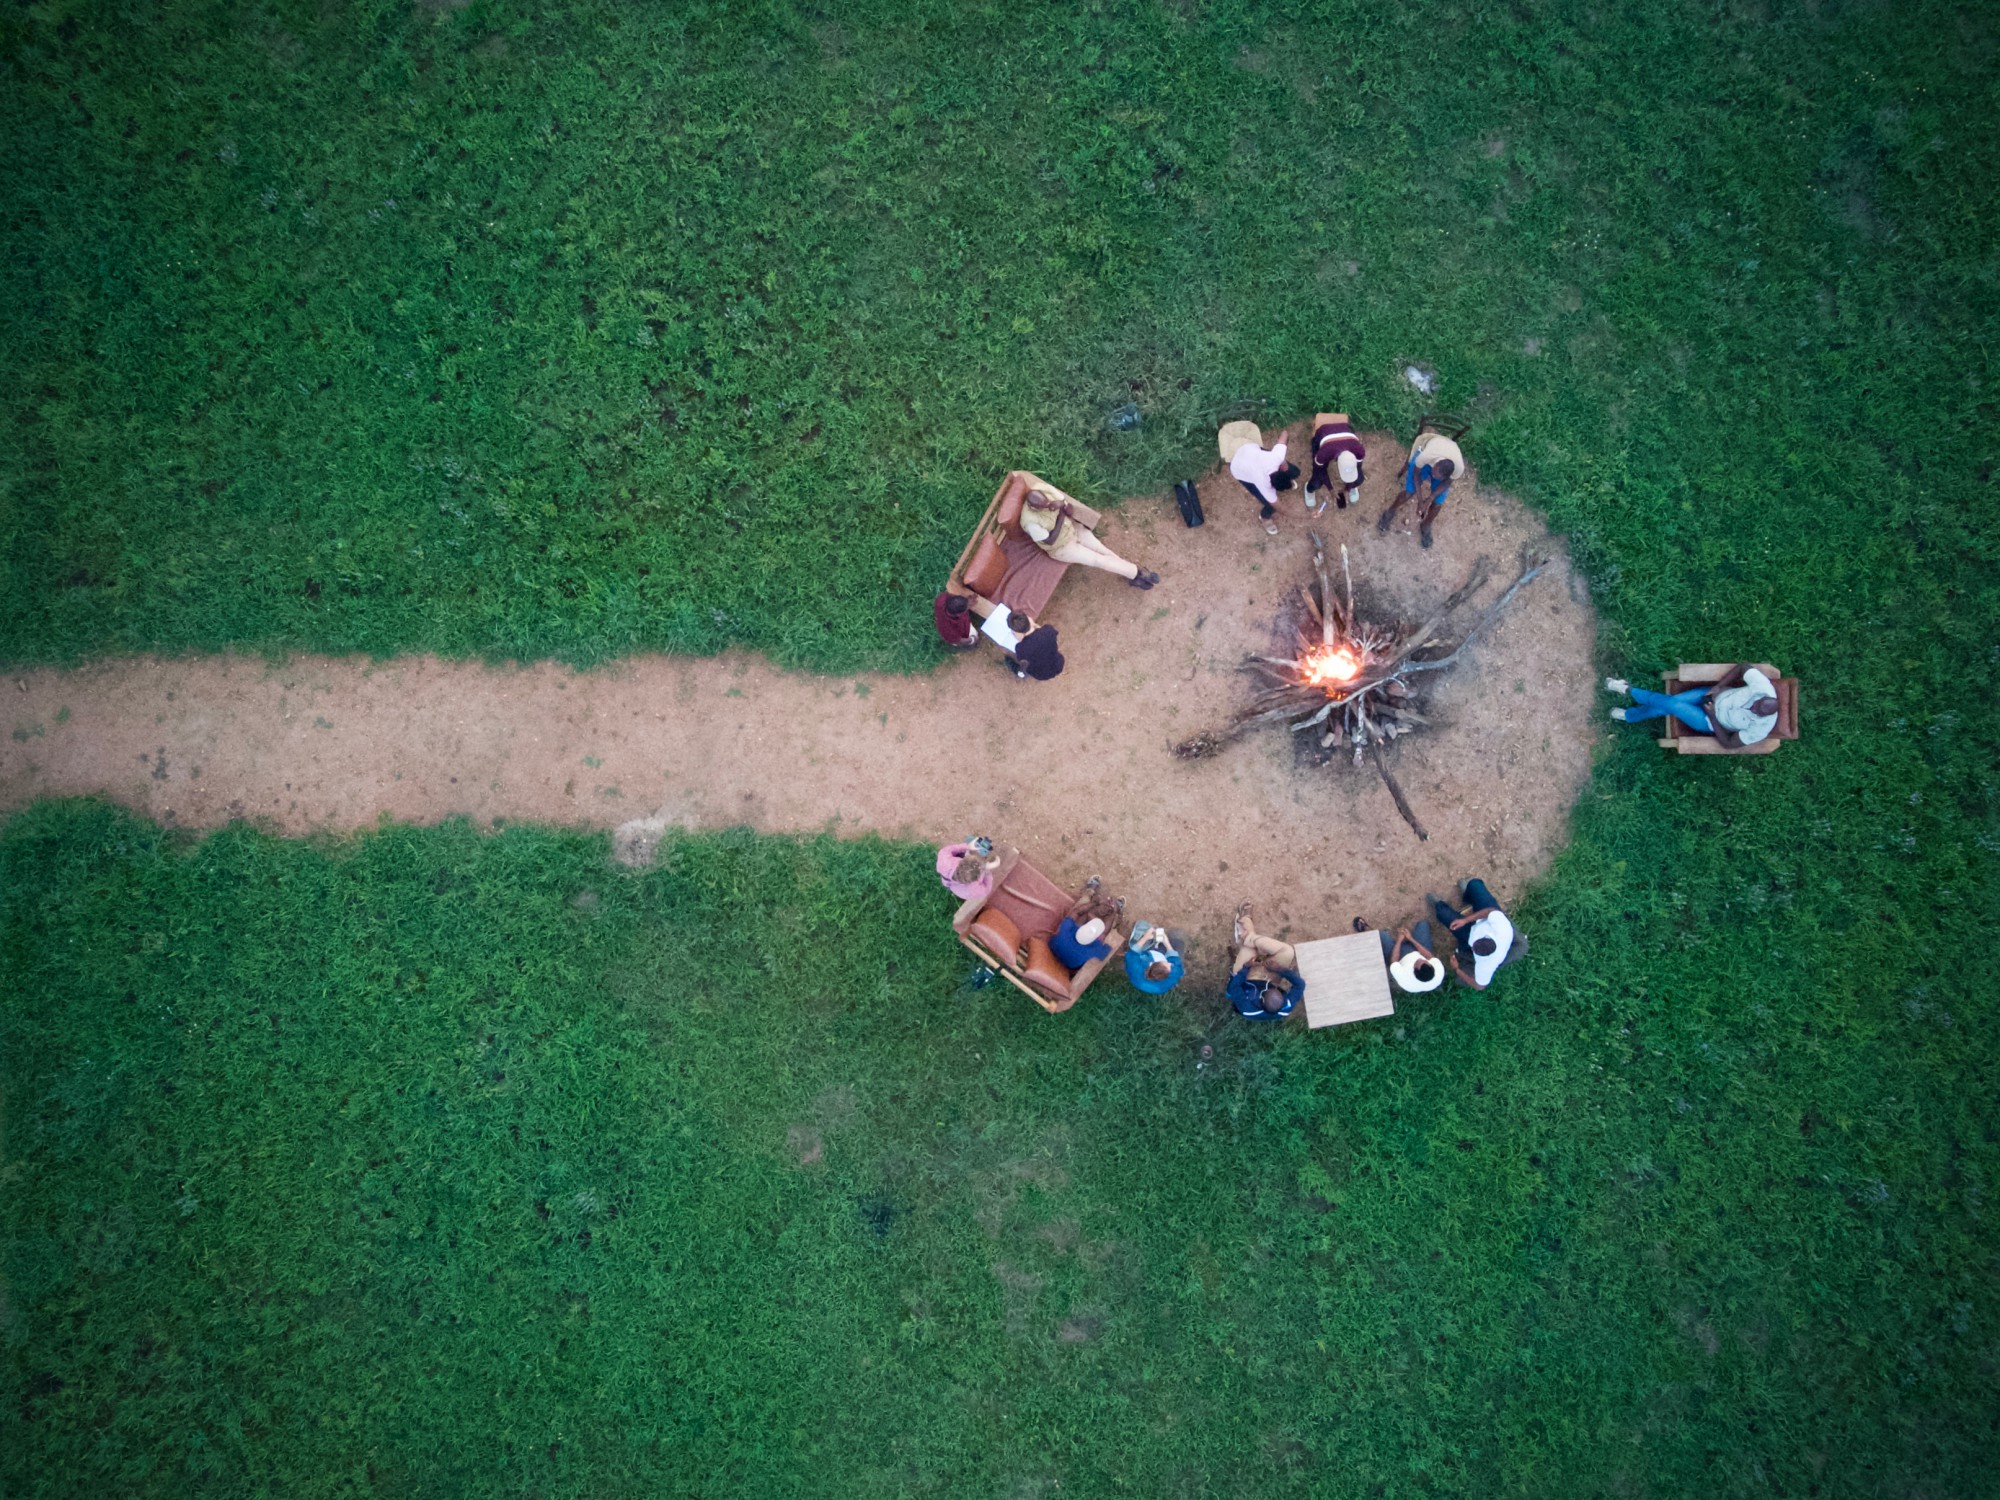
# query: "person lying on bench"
[[1079, 937], [1482, 933], [1052, 526], [1741, 709], [1264, 981], [1413, 968]]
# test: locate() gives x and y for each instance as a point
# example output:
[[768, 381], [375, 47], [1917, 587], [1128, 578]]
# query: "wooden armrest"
[[1085, 516]]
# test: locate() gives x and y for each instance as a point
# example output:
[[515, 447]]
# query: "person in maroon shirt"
[[952, 614]]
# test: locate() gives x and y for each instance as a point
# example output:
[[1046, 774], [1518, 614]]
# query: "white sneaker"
[[1618, 714], [1617, 685]]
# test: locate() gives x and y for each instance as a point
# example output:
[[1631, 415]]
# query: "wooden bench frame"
[[1008, 966]]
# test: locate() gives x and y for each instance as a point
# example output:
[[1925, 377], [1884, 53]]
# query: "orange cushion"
[[988, 569], [996, 933], [1044, 970], [1008, 512]]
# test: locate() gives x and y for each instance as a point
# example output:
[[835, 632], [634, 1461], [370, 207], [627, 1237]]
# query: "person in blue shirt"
[[1079, 937], [1264, 981], [1151, 964]]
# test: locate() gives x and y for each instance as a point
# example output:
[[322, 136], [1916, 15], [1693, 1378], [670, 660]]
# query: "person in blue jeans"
[[1740, 710], [1151, 964]]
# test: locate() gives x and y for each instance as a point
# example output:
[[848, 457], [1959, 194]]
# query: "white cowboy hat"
[[1234, 435]]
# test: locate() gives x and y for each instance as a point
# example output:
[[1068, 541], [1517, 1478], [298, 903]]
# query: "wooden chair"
[[1009, 929], [1001, 565], [1685, 741]]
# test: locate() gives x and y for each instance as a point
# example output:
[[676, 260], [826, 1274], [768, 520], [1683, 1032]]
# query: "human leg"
[[1683, 706], [1422, 933], [1445, 914], [1274, 954], [1092, 553], [1388, 944], [1477, 897]]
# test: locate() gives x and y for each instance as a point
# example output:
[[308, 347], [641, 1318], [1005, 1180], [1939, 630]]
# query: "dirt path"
[[1075, 771]]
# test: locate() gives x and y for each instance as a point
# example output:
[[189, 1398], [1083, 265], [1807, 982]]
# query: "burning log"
[[1352, 675]]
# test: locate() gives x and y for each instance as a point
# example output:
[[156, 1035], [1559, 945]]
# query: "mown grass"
[[519, 331], [527, 330], [439, 1163]]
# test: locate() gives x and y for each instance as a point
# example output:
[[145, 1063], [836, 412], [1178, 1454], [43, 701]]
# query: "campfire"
[[1349, 678]]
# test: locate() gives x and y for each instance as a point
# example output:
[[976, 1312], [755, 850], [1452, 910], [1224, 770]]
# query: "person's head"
[[1425, 971], [1041, 500], [1158, 969], [956, 604], [1018, 622], [1765, 707], [968, 870], [1089, 932], [1273, 999], [1350, 468], [1485, 947], [1446, 468]]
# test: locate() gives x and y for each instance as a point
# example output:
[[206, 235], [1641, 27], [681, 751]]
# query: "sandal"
[[1143, 579]]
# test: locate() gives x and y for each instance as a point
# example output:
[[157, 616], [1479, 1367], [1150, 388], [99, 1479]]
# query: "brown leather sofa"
[[1009, 929], [1002, 564]]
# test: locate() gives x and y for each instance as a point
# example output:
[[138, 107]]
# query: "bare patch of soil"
[[1076, 771]]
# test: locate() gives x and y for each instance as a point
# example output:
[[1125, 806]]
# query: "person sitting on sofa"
[[1739, 710], [1264, 981], [1051, 526], [1079, 937]]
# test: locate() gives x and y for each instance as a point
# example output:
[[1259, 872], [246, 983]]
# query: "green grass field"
[[442, 1162]]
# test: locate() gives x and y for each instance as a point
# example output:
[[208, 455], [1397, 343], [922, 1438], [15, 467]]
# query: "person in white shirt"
[[1413, 968], [1482, 933], [1264, 472], [1739, 710]]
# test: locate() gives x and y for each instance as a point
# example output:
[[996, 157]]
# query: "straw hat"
[[1234, 435]]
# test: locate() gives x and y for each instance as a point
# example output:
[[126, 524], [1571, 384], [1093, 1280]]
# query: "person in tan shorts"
[[1050, 526], [1264, 981]]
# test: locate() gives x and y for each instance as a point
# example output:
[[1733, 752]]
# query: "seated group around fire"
[[1051, 945]]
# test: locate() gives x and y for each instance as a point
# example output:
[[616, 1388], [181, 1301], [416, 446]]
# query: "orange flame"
[[1332, 665]]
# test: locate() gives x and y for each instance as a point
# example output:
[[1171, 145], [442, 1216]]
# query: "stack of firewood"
[[1349, 678]]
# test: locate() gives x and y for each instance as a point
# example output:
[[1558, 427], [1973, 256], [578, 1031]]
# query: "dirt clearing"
[[1076, 771]]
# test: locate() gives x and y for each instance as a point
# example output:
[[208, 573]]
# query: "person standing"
[[1034, 654], [1481, 933], [1263, 472], [952, 614], [1435, 461], [1338, 454]]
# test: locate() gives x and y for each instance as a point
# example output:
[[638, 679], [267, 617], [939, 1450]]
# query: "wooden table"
[[1346, 978]]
